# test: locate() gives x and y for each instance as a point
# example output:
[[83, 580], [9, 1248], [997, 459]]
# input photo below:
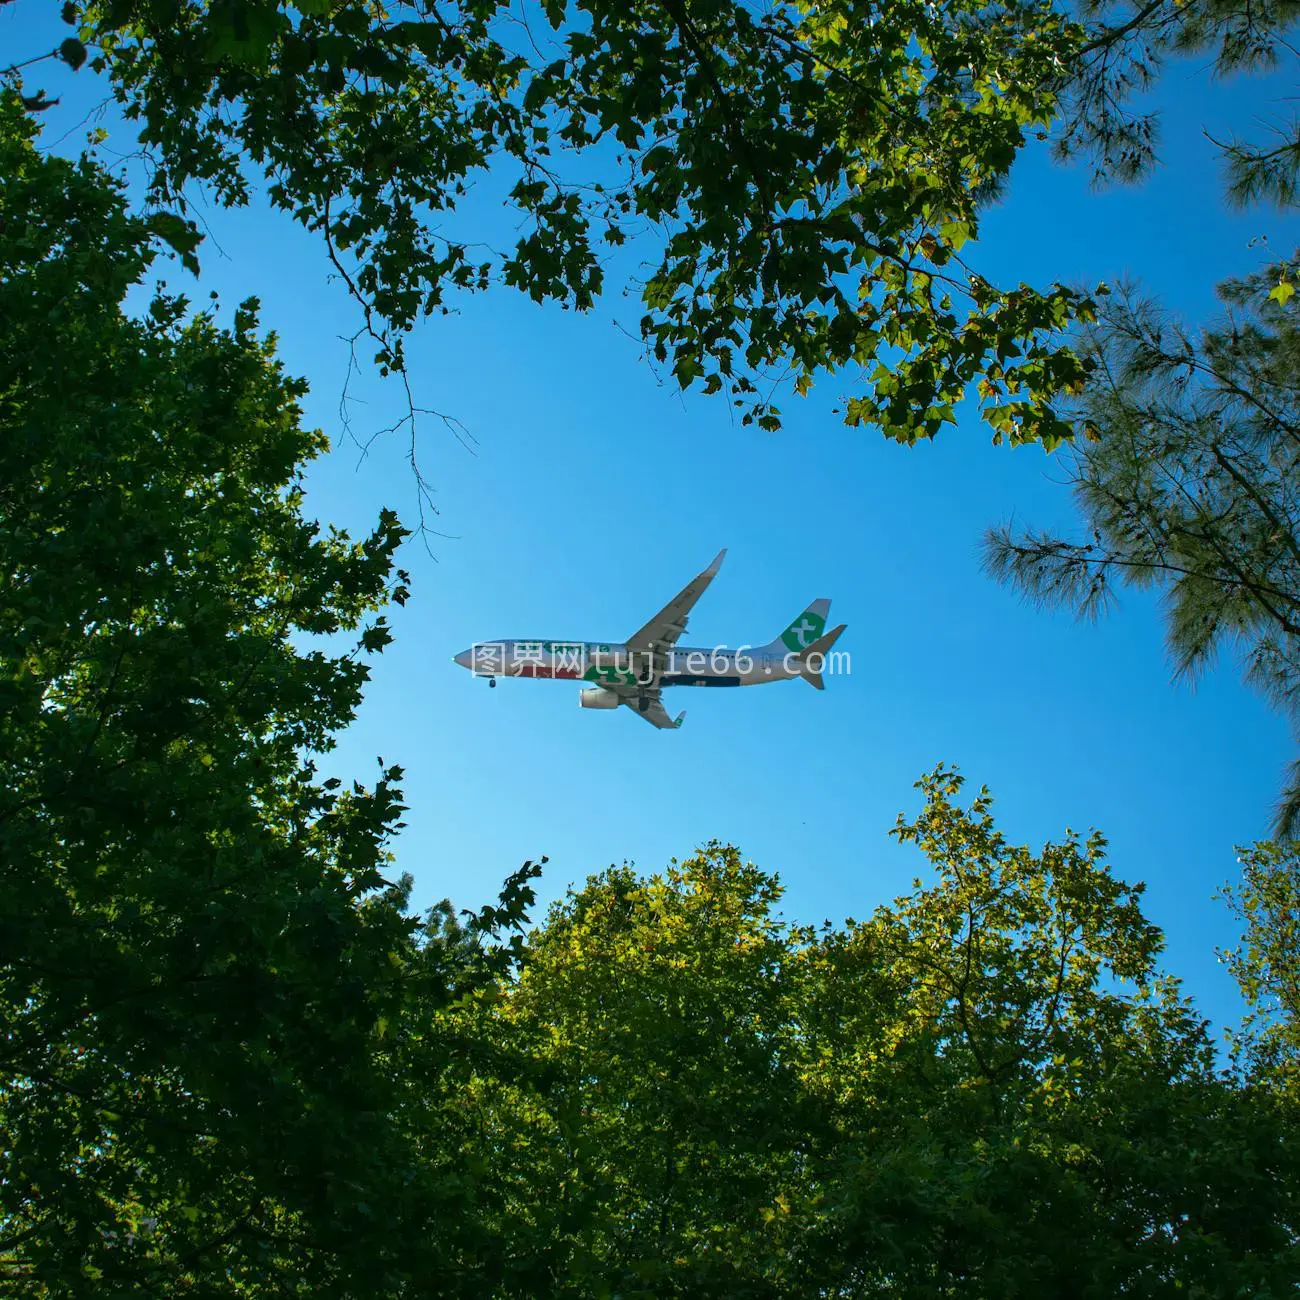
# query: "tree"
[[210, 995], [1183, 464], [1053, 1120], [1124, 50], [813, 171], [667, 1106], [812, 175], [1186, 475], [986, 1088], [1266, 964]]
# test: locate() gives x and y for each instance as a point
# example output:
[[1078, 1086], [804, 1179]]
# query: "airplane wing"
[[655, 713], [662, 631]]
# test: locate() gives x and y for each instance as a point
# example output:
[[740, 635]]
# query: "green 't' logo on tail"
[[804, 630]]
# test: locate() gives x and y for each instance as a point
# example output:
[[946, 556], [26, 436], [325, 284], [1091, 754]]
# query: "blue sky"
[[593, 492]]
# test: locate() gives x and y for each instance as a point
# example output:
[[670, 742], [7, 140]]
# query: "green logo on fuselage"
[[610, 676]]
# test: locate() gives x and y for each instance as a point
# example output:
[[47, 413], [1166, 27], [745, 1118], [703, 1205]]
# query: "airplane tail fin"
[[813, 660], [803, 631]]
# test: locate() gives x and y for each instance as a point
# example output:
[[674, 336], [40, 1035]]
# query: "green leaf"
[[72, 52], [180, 235]]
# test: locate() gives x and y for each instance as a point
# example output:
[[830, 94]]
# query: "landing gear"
[[642, 702], [492, 681]]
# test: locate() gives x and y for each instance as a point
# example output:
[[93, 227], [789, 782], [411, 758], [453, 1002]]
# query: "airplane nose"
[[465, 659]]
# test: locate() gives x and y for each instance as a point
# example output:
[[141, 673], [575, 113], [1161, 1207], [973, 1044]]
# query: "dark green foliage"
[[203, 970]]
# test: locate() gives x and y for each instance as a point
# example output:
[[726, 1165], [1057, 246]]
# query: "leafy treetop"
[[212, 995], [987, 1087], [813, 171]]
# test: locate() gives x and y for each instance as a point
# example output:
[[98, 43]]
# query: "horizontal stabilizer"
[[817, 652]]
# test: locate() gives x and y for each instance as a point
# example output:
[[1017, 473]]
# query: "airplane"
[[635, 672]]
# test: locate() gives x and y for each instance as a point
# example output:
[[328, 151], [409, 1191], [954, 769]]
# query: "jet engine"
[[597, 697]]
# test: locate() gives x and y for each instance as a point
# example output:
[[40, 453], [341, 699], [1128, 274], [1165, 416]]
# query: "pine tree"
[[1186, 468]]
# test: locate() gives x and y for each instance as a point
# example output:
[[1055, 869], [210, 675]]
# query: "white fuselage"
[[611, 663]]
